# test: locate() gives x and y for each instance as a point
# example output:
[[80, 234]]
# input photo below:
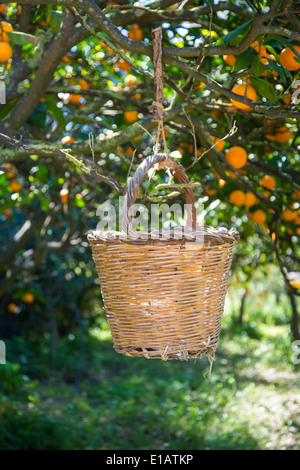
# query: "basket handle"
[[162, 162]]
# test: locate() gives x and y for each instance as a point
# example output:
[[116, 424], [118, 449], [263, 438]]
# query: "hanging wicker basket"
[[163, 295]]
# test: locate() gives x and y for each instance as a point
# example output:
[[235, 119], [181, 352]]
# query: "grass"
[[250, 402]]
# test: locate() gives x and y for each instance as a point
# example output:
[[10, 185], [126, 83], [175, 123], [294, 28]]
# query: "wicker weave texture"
[[163, 301]]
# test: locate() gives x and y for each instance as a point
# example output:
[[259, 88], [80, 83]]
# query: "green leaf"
[[273, 65], [7, 109], [237, 32], [79, 202], [264, 88], [56, 112], [272, 50], [21, 39], [244, 60], [257, 67], [54, 23], [38, 116], [45, 202]]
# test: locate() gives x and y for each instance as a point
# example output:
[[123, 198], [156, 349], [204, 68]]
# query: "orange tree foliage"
[[82, 68]]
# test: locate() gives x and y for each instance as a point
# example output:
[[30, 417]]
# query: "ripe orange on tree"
[[259, 216], [288, 58], [288, 215], [236, 156], [219, 143], [6, 52], [131, 81], [74, 99], [5, 27], [123, 65], [12, 308], [229, 59], [209, 192], [297, 193], [15, 186], [268, 182], [10, 166], [8, 213], [84, 85], [131, 116], [135, 33], [237, 197], [64, 195], [282, 134], [247, 91], [65, 60], [28, 298], [199, 86], [250, 199], [259, 48], [287, 98], [2, 8], [68, 139]]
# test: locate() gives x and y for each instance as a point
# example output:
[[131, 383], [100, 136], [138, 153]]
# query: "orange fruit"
[[222, 182], [289, 215], [10, 166], [84, 84], [237, 197], [74, 99], [135, 33], [65, 60], [229, 59], [8, 213], [123, 65], [282, 134], [270, 137], [131, 116], [2, 8], [15, 186], [67, 140], [297, 220], [28, 298], [131, 81], [297, 193], [64, 195], [199, 86], [209, 192], [287, 98], [250, 199], [261, 50], [236, 156], [5, 27], [6, 52], [19, 9], [268, 182], [12, 308], [219, 142], [259, 216], [247, 91], [287, 58]]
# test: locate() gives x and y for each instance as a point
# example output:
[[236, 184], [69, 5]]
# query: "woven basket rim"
[[203, 235]]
